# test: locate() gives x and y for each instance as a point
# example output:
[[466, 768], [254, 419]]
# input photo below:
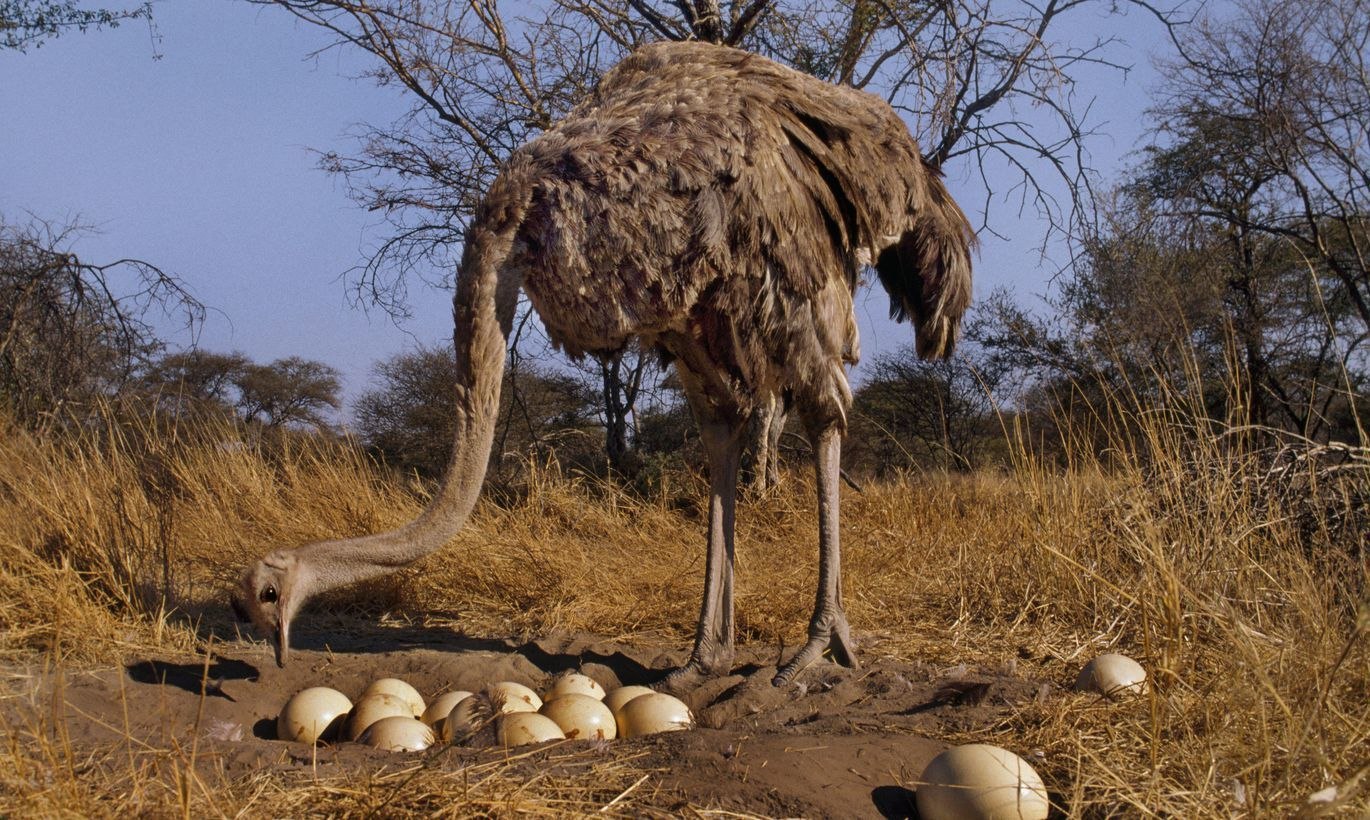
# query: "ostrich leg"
[[828, 629], [713, 652], [760, 467]]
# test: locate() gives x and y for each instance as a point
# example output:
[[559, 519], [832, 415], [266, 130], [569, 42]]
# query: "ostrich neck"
[[326, 565], [483, 310]]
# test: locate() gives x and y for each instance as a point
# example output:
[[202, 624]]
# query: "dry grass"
[[1253, 623]]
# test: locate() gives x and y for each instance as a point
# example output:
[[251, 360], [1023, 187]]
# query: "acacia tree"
[[287, 392], [292, 391], [483, 81], [1262, 154], [408, 418], [194, 381], [1275, 99]]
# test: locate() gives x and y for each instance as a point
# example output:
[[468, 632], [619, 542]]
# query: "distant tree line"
[[75, 334], [287, 392]]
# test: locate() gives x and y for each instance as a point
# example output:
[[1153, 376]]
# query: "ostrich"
[[721, 207]]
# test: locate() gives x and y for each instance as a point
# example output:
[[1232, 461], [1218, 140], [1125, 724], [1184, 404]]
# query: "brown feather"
[[706, 196]]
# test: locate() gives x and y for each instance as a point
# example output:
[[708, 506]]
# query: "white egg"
[[399, 689], [581, 717], [1113, 675], [650, 714], [980, 782], [522, 728], [513, 697], [372, 708], [574, 683], [313, 714], [467, 716], [442, 706], [398, 733], [616, 699]]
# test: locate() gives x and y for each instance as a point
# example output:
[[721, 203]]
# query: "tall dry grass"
[[1177, 546], [105, 530]]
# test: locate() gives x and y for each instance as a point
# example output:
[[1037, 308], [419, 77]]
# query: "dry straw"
[[1176, 542]]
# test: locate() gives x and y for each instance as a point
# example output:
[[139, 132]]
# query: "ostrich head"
[[268, 596]]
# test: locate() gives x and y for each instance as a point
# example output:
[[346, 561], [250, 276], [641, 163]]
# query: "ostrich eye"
[[269, 595]]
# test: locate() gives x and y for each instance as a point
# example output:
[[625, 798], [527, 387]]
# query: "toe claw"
[[693, 673], [836, 642]]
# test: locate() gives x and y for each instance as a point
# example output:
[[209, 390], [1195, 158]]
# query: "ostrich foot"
[[831, 635], [700, 667]]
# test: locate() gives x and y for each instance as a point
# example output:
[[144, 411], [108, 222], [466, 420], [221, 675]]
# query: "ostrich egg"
[[513, 697], [574, 683], [313, 714], [616, 699], [522, 728], [442, 706], [650, 714], [1113, 675], [371, 709], [397, 688], [398, 733], [980, 782], [582, 717], [466, 716]]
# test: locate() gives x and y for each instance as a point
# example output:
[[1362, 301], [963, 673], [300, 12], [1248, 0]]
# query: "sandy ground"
[[840, 743]]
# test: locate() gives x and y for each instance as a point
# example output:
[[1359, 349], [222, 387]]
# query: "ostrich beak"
[[282, 642]]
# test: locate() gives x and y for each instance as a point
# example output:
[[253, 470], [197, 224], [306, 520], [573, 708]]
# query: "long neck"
[[482, 312]]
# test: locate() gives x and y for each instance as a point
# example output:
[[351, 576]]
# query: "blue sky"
[[200, 162]]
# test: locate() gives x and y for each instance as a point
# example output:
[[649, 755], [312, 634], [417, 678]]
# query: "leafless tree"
[[71, 330], [482, 81], [1171, 303], [621, 375], [1253, 201]]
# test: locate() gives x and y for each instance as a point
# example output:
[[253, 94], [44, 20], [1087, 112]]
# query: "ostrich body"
[[720, 207]]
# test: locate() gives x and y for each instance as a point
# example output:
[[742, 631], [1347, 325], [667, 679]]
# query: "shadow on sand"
[[193, 677], [363, 637], [894, 803]]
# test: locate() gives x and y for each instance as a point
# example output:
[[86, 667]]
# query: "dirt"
[[840, 743]]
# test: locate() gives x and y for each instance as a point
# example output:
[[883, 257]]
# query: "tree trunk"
[[707, 21], [619, 391]]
